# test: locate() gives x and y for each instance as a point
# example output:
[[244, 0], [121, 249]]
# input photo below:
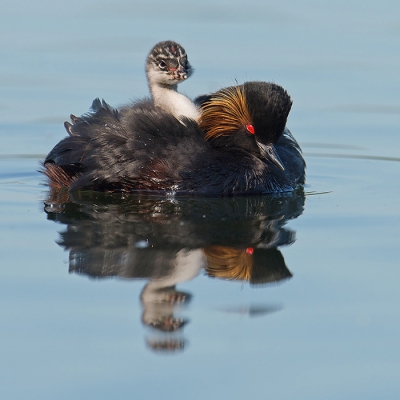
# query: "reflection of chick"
[[159, 297], [166, 345], [159, 306], [253, 265]]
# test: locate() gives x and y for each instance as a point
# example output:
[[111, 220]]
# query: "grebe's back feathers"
[[98, 109], [108, 151]]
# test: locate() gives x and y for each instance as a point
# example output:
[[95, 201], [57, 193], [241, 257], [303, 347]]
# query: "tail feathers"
[[68, 151], [65, 162], [59, 176]]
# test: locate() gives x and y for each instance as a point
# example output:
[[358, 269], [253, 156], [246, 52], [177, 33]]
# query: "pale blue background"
[[337, 333]]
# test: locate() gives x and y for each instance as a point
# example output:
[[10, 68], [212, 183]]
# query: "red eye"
[[250, 129], [250, 250]]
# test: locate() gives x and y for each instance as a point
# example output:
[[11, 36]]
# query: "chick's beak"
[[179, 73], [269, 153]]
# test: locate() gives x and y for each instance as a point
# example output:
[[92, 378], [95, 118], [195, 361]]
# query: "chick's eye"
[[162, 65]]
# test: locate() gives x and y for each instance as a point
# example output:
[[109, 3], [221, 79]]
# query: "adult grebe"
[[240, 146]]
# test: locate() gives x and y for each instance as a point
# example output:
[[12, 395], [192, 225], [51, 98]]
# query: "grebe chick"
[[240, 146], [167, 65]]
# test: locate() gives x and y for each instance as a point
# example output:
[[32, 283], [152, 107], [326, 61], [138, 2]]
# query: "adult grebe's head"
[[251, 116], [167, 64]]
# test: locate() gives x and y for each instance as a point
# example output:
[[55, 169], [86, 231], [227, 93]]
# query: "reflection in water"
[[168, 241]]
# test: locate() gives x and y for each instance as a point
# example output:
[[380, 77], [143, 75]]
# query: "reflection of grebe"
[[159, 297], [167, 345], [168, 241], [253, 265], [240, 146], [229, 263]]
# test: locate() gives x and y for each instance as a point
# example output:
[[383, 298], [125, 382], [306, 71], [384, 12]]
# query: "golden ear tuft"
[[228, 263], [224, 113]]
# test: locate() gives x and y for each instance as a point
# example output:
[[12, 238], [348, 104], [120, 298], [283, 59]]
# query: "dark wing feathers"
[[99, 113], [111, 150]]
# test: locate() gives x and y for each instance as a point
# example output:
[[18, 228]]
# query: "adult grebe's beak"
[[269, 152]]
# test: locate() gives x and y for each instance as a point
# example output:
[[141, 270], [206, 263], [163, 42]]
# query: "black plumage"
[[239, 146]]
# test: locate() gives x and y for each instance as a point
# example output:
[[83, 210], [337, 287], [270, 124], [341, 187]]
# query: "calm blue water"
[[80, 281]]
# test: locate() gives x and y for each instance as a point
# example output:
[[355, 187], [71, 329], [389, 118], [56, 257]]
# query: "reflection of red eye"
[[250, 129], [250, 250]]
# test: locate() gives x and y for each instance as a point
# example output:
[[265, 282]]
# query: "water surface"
[[105, 297]]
